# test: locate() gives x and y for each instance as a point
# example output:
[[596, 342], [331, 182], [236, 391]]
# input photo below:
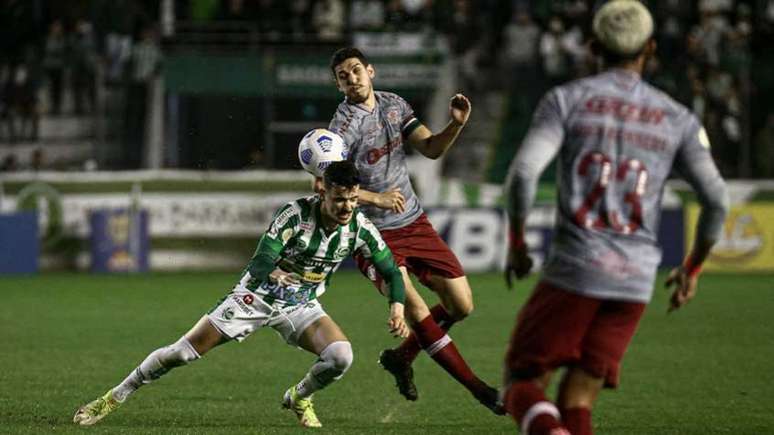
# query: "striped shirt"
[[298, 243]]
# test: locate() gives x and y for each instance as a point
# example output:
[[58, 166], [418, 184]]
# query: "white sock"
[[333, 362], [155, 365]]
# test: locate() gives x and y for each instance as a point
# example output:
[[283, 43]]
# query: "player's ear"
[[650, 47], [371, 71]]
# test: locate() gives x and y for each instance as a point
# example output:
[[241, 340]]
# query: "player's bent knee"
[[178, 353], [339, 355], [461, 312]]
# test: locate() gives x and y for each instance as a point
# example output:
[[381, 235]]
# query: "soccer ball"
[[318, 149]]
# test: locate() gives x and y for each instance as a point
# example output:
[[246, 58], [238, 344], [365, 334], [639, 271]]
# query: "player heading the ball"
[[305, 243]]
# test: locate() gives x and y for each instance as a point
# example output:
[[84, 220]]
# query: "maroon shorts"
[[559, 328], [420, 249]]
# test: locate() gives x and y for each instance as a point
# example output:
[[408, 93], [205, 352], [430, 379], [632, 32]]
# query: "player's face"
[[339, 203], [354, 79]]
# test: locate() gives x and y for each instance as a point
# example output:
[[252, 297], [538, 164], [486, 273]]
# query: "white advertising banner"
[[173, 214]]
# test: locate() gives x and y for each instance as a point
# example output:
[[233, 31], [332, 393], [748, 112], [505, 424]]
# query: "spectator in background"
[[146, 57], [555, 60], [54, 57], [300, 13], [84, 67], [145, 65], [464, 34], [23, 103], [521, 42], [366, 15], [328, 19], [394, 16], [116, 20]]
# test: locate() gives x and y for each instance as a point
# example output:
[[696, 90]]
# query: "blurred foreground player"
[[376, 127], [617, 140], [305, 243]]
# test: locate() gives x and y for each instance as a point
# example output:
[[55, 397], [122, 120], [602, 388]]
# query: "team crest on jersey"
[[342, 252], [248, 299], [228, 313], [393, 116], [286, 234]]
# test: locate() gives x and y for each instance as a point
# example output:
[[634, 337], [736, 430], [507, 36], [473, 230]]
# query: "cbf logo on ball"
[[318, 149], [325, 142]]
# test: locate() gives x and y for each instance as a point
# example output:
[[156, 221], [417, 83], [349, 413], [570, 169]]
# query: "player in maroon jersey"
[[617, 140], [375, 126]]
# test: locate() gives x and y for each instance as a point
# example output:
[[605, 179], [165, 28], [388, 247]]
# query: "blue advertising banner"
[[119, 240], [478, 236], [19, 244]]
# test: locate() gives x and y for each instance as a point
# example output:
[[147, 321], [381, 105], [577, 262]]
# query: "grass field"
[[68, 337]]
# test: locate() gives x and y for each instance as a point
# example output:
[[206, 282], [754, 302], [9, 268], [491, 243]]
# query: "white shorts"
[[241, 312]]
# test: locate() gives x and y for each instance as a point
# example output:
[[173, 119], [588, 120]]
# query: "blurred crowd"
[[53, 52], [714, 56]]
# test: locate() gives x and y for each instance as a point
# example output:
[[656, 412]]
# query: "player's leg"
[[577, 393], [603, 348], [456, 304], [324, 338], [549, 333], [439, 346], [202, 337], [431, 260]]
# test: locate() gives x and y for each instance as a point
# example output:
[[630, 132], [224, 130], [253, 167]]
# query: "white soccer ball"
[[318, 149]]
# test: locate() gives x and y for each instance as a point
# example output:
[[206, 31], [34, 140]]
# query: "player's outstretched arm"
[[390, 200], [694, 162], [540, 146], [434, 146]]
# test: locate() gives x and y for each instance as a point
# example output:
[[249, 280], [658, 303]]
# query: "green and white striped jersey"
[[297, 242]]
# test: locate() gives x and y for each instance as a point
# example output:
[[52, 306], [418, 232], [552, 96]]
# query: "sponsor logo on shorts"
[[228, 313], [241, 304]]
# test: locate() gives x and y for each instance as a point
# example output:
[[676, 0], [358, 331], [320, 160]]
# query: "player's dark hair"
[[342, 173], [345, 53]]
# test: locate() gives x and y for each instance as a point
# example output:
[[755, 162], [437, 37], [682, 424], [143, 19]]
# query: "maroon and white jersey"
[[374, 140], [617, 139]]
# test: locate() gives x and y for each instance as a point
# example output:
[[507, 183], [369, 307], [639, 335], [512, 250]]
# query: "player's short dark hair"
[[342, 173], [345, 53]]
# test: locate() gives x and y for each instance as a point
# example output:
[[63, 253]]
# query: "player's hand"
[[459, 109], [397, 323], [684, 287], [285, 279], [519, 263], [391, 200]]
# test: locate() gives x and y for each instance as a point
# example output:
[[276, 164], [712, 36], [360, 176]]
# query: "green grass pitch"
[[68, 337]]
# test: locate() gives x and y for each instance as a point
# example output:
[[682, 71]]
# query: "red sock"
[[577, 420], [529, 407], [410, 347], [441, 348]]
